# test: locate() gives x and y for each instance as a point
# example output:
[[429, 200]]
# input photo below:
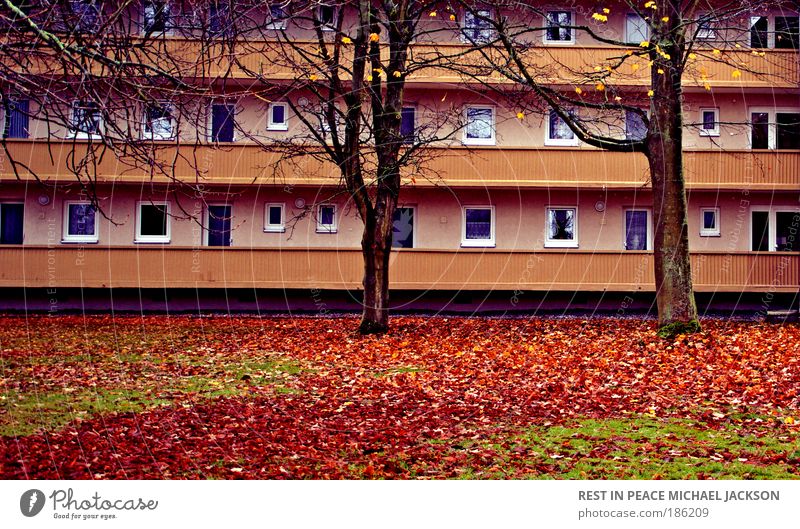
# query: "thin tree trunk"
[[677, 312], [376, 246]]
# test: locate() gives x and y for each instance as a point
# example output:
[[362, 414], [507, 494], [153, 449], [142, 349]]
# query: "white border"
[[560, 243], [478, 243], [67, 237], [152, 239]]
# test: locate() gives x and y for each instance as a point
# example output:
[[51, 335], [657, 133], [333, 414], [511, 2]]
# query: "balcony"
[[244, 164], [201, 267], [563, 65]]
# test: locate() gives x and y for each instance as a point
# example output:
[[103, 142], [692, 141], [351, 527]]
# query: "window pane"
[[11, 222], [759, 32], [159, 121], [635, 127], [219, 225], [275, 215], [278, 114], [636, 230], [326, 215], [788, 130], [478, 224], [407, 124], [81, 219], [760, 234], [153, 220], [156, 17], [403, 228], [477, 26], [709, 220], [636, 29], [222, 122], [85, 14], [85, 117], [557, 26], [787, 32], [327, 15], [479, 123], [709, 120], [559, 130], [787, 231], [760, 130], [561, 223]]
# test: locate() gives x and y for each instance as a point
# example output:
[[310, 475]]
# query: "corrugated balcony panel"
[[454, 166], [202, 267]]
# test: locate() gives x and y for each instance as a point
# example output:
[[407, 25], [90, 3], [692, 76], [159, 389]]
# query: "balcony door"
[[11, 219], [219, 225]]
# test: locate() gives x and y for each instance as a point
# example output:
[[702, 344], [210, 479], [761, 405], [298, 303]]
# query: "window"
[[219, 217], [85, 120], [80, 222], [85, 16], [274, 219], [637, 229], [156, 17], [787, 32], [561, 227], [709, 222], [636, 29], [478, 226], [775, 229], [327, 17], [11, 222], [222, 122], [408, 126], [759, 32], [635, 126], [278, 116], [16, 118], [326, 218], [152, 222], [159, 123], [219, 20], [403, 227], [772, 128], [559, 28], [709, 122], [277, 17], [706, 27], [479, 128], [558, 132], [478, 26]]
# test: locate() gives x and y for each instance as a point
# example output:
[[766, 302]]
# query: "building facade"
[[510, 205]]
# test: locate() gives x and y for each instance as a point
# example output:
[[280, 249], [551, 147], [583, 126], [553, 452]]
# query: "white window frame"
[[152, 239], [546, 21], [169, 26], [271, 125], [773, 224], [278, 25], [712, 132], [772, 125], [646, 27], [648, 222], [710, 232], [478, 243], [211, 120], [558, 142], [68, 237], [492, 140], [331, 26], [413, 208], [173, 123], [274, 228], [327, 228], [559, 243], [80, 134]]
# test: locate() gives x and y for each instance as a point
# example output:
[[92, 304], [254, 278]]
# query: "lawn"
[[238, 397]]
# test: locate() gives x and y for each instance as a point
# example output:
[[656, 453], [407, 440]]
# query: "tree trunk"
[[677, 312], [376, 246]]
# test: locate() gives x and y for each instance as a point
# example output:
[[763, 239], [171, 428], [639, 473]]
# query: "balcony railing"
[[188, 58], [418, 269], [457, 166]]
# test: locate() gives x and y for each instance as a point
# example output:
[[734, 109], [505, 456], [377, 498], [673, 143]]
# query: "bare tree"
[[593, 98]]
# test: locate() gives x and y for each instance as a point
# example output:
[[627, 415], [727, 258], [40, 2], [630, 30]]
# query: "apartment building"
[[510, 204]]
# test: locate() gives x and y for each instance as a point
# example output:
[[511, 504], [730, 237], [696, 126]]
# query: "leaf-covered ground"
[[183, 397]]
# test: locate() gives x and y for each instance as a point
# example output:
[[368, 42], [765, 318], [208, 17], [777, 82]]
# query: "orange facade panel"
[[456, 166], [170, 267]]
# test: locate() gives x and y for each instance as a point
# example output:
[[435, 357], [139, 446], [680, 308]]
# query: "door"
[[11, 217], [219, 225], [403, 228]]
